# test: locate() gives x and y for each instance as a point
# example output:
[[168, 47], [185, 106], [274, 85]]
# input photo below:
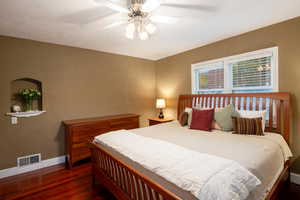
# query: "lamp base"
[[161, 115]]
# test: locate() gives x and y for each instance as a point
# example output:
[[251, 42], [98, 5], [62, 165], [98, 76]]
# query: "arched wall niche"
[[22, 83]]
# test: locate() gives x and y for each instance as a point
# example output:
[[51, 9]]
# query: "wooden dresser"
[[80, 132]]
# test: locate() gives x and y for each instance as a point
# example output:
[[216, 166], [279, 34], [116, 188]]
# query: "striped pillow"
[[247, 126]]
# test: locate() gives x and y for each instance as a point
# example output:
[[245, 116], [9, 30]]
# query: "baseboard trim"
[[19, 170], [295, 178]]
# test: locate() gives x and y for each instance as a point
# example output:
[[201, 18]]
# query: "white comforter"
[[205, 176]]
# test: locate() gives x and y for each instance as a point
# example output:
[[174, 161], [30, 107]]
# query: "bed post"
[[287, 117]]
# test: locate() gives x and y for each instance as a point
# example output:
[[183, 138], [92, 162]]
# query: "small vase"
[[28, 105]]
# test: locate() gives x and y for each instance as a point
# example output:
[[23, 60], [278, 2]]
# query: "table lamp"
[[160, 104]]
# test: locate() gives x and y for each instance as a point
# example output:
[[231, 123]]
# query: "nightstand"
[[154, 121]]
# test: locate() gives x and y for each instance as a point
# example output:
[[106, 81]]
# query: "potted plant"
[[29, 95]]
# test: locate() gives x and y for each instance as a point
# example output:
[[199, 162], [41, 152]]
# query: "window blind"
[[252, 74], [211, 78]]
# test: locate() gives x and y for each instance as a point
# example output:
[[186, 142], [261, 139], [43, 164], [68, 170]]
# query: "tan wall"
[[173, 74], [77, 83]]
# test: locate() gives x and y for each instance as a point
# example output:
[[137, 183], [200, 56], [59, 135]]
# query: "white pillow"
[[254, 114], [189, 111]]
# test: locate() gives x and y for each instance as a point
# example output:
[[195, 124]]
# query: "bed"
[[127, 179]]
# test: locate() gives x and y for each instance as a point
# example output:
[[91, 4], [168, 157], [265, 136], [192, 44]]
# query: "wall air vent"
[[28, 160]]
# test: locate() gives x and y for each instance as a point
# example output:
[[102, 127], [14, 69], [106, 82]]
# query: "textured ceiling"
[[80, 23]]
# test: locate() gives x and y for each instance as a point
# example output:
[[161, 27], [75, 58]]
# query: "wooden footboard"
[[123, 181]]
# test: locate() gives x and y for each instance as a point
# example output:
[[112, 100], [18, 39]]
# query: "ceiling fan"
[[140, 16]]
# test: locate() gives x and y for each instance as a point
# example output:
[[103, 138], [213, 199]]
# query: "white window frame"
[[244, 56]]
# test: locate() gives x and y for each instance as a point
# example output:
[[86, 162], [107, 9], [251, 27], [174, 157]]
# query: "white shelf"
[[26, 114]]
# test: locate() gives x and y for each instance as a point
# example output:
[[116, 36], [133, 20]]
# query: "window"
[[210, 79], [250, 72]]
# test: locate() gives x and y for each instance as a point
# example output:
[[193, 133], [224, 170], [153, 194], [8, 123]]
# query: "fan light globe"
[[130, 29], [150, 28], [143, 35], [130, 35]]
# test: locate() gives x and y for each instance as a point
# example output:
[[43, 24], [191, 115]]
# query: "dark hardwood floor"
[[57, 183], [53, 183]]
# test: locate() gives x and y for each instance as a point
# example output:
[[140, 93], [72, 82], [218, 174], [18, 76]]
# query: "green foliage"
[[29, 94]]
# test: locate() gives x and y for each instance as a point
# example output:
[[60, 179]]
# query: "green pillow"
[[223, 117]]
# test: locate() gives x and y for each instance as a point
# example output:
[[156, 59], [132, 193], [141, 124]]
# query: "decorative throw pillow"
[[183, 118], [223, 117], [202, 119], [215, 125], [247, 126], [189, 111], [254, 114]]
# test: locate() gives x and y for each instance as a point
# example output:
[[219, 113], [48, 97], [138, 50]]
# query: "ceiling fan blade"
[[86, 16], [163, 19], [150, 5], [114, 6], [190, 7], [115, 24]]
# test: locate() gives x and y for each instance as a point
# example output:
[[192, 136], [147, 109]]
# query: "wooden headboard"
[[278, 118]]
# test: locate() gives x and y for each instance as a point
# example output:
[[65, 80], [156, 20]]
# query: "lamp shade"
[[160, 103]]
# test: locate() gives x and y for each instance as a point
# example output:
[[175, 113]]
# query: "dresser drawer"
[[78, 138], [153, 122], [80, 130], [126, 126], [80, 145], [80, 153], [100, 128], [128, 123], [87, 132]]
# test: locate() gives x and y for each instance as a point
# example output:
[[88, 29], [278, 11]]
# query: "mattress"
[[264, 156]]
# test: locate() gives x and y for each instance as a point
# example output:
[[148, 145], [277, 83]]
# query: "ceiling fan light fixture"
[[150, 28], [140, 17]]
